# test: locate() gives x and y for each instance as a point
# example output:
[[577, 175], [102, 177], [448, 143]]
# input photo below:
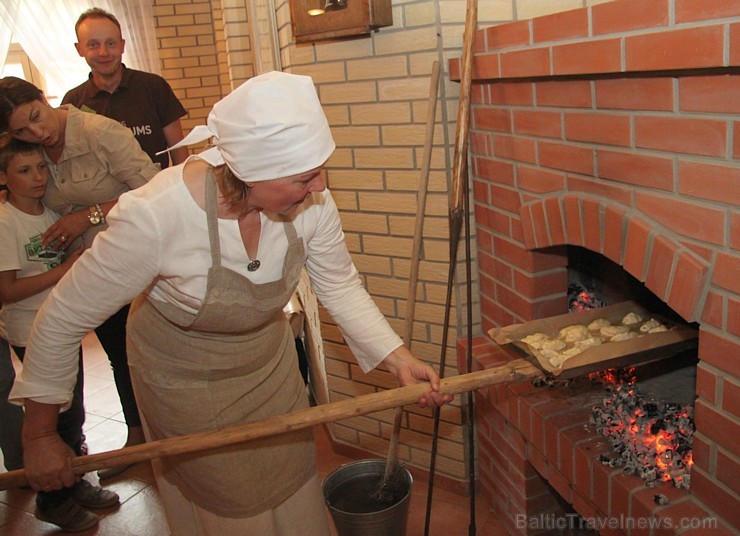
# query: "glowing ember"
[[582, 299], [614, 376], [652, 439]]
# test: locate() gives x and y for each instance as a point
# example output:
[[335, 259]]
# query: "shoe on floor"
[[105, 474], [68, 515], [91, 496]]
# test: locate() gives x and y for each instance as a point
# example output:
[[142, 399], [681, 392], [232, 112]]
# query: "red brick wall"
[[617, 128]]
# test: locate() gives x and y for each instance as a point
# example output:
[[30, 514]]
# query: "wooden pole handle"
[[516, 370], [460, 159], [421, 204], [415, 256]]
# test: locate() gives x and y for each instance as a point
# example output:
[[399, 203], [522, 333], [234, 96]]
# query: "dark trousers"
[[112, 336], [11, 416], [69, 428]]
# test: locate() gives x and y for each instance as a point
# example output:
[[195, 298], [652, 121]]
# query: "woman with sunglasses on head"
[[93, 160]]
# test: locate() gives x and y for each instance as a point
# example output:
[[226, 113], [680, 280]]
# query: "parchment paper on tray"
[[644, 348]]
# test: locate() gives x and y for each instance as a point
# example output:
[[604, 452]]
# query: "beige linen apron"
[[232, 362]]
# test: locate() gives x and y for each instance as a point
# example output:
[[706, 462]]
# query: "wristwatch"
[[96, 215]]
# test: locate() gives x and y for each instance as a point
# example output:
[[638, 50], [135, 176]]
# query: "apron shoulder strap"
[[212, 217]]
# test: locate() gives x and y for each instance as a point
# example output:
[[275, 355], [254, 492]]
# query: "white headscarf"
[[271, 126]]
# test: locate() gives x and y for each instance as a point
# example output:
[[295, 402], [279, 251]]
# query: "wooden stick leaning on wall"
[[458, 192], [415, 256], [517, 370], [460, 159]]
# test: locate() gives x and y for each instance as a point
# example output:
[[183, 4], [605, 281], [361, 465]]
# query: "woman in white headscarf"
[[213, 248]]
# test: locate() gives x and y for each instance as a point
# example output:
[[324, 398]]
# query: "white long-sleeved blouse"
[[157, 243]]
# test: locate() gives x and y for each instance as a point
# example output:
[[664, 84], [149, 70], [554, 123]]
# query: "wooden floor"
[[140, 512]]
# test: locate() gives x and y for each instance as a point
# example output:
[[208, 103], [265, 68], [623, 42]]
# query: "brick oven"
[[614, 128]]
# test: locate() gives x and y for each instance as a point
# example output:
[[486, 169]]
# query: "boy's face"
[[26, 176]]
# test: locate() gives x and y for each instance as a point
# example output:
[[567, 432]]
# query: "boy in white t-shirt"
[[28, 271]]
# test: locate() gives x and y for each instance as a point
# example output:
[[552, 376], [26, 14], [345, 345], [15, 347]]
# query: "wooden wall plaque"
[[340, 18]]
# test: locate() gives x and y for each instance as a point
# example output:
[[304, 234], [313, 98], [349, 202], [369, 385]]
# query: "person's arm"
[[409, 370], [73, 225], [339, 288], [173, 134], [14, 288], [122, 262], [121, 154], [46, 458], [169, 110], [366, 331]]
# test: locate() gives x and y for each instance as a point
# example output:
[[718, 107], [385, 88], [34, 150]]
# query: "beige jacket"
[[101, 160]]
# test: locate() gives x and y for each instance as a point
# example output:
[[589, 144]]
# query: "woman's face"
[[35, 122], [285, 195]]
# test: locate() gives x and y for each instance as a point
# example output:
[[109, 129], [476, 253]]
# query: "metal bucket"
[[348, 492]]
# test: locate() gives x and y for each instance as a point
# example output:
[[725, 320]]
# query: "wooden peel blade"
[[516, 370]]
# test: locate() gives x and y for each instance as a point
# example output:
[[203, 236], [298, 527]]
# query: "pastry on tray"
[[614, 335], [574, 333], [573, 339]]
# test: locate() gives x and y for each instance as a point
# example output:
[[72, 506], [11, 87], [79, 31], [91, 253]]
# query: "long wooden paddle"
[[516, 370]]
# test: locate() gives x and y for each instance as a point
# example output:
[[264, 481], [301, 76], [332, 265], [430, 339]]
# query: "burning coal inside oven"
[[581, 298], [651, 439]]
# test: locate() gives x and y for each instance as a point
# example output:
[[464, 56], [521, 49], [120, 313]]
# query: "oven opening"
[[646, 413]]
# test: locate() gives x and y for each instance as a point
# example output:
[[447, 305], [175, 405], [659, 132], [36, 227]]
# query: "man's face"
[[101, 44]]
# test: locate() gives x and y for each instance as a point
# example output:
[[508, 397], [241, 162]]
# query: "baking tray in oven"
[[643, 348]]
